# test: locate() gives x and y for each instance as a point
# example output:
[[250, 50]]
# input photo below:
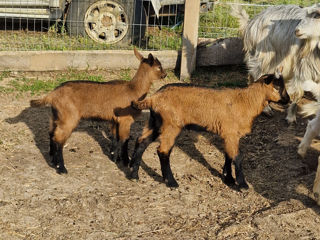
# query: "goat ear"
[[267, 78], [138, 55], [278, 72], [313, 8], [150, 59]]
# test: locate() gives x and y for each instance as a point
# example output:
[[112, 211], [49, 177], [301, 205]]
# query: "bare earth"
[[95, 200]]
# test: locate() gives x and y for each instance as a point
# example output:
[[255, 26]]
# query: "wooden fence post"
[[189, 38]]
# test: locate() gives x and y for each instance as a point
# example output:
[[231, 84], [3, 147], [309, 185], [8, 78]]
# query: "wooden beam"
[[189, 38]]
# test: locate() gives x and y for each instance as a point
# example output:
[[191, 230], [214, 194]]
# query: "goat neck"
[[255, 97], [141, 81]]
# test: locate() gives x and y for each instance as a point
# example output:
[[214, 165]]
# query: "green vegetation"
[[37, 85], [125, 74], [4, 74]]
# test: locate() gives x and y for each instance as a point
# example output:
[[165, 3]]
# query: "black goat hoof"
[[243, 185], [62, 170], [134, 175], [173, 184], [52, 164], [229, 180]]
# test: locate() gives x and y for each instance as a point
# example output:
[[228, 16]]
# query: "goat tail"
[[310, 109], [144, 104], [40, 102], [243, 17]]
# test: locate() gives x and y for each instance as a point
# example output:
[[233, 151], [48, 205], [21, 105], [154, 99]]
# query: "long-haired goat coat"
[[111, 101], [227, 112], [312, 131], [288, 36]]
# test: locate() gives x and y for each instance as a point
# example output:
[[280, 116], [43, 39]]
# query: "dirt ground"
[[95, 200]]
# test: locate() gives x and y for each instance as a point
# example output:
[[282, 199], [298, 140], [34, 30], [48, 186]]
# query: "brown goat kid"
[[75, 100], [227, 112]]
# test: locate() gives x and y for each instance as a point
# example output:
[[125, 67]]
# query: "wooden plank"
[[189, 38]]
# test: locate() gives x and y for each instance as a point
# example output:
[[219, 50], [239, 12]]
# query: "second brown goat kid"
[[227, 112], [75, 100]]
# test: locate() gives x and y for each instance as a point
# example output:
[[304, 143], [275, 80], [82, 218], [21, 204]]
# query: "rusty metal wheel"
[[106, 22]]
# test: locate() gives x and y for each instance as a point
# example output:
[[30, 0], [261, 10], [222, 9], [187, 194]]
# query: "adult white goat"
[[316, 184], [313, 130], [288, 36]]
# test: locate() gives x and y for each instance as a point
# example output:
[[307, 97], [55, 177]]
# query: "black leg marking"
[[113, 145], [166, 169], [155, 122], [53, 153], [227, 172], [124, 153], [239, 174], [115, 154], [58, 159], [138, 152], [53, 147]]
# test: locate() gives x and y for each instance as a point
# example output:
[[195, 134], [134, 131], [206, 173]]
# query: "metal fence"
[[113, 24], [89, 25]]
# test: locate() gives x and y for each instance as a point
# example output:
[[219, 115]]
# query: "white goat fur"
[[288, 36], [313, 130], [316, 184]]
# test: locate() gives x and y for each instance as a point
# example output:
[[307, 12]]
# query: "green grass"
[[37, 85], [4, 74], [125, 74]]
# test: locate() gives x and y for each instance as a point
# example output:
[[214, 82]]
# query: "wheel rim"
[[106, 22]]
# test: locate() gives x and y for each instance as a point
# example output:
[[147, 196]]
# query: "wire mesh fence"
[[90, 25], [114, 24], [218, 23]]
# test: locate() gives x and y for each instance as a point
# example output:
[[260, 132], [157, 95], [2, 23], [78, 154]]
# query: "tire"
[[104, 21]]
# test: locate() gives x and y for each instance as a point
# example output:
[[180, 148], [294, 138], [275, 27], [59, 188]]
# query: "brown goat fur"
[[227, 112], [75, 100]]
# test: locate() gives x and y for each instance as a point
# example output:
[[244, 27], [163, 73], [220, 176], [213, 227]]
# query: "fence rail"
[[79, 25]]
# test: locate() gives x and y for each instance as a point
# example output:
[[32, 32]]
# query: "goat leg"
[[53, 148], [166, 169], [124, 152], [115, 151], [137, 157], [227, 173], [58, 159], [291, 115], [239, 174], [141, 145], [52, 162]]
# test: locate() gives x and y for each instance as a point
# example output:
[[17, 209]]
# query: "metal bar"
[[19, 3]]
